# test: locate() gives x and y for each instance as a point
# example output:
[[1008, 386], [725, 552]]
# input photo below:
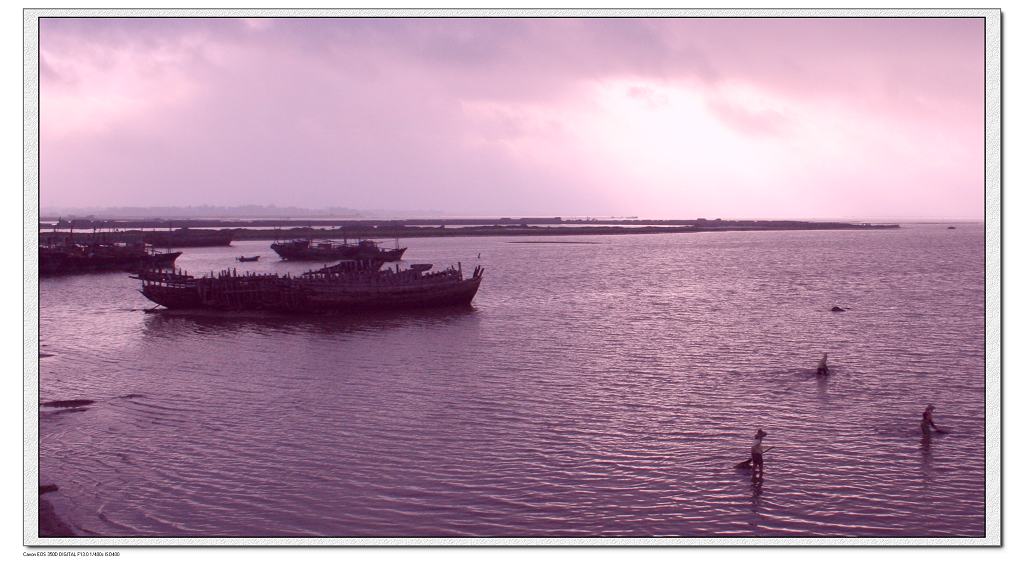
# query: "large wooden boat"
[[328, 250], [346, 287], [72, 258], [185, 237]]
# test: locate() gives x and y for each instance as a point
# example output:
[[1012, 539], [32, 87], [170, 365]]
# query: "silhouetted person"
[[927, 424], [823, 366], [757, 456]]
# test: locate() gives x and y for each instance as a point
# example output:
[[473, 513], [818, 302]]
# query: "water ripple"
[[593, 390]]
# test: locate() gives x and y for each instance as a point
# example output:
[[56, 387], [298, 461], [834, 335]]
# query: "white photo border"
[[993, 278]]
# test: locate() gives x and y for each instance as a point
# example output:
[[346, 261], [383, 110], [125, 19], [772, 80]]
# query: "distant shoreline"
[[125, 231]]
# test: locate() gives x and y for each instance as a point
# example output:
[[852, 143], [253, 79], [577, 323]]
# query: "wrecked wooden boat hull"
[[323, 291]]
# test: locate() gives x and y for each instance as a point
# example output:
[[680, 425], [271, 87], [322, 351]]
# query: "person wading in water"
[[927, 424], [757, 456], [823, 366]]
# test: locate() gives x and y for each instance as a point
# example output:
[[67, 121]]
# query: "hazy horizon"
[[276, 212], [792, 118]]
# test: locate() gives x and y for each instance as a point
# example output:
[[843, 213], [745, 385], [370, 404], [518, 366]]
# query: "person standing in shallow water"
[[927, 424], [757, 456]]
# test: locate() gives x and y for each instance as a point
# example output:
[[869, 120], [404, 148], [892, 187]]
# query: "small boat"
[[247, 258]]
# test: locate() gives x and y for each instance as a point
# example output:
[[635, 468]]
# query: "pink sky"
[[796, 118]]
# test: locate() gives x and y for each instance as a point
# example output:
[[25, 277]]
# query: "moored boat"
[[97, 257], [347, 287], [329, 250], [248, 258]]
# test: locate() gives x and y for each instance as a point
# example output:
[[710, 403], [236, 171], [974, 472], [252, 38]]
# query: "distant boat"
[[950, 227], [247, 258], [186, 237], [329, 250]]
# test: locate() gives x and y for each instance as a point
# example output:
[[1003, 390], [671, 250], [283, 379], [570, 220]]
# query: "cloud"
[[761, 121]]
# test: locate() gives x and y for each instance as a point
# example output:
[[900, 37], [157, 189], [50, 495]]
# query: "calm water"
[[593, 389]]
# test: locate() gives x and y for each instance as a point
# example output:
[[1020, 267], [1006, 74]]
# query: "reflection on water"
[[604, 389], [165, 323], [756, 488], [926, 450]]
